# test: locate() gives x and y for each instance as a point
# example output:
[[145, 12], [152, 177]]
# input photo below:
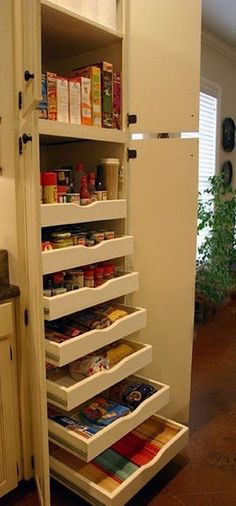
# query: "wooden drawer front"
[[75, 256], [60, 354], [66, 214], [67, 393], [88, 449], [6, 321], [171, 438], [67, 303]]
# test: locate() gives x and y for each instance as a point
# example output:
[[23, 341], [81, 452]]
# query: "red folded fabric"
[[137, 450]]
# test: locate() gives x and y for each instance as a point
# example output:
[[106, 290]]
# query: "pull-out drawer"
[[60, 354], [66, 303], [88, 449], [111, 481], [75, 256], [66, 214], [67, 393]]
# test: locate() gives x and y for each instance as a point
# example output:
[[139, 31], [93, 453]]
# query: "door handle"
[[26, 138], [28, 75]]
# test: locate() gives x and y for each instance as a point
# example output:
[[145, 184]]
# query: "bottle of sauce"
[[85, 197], [99, 185], [91, 185], [79, 172]]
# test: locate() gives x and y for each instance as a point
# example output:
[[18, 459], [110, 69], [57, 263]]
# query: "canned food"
[[109, 234], [65, 234], [90, 243], [62, 243], [73, 197], [97, 236], [46, 246]]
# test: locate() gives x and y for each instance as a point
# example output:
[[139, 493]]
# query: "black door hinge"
[[32, 462], [11, 354], [131, 119], [131, 153], [26, 317], [17, 469], [20, 101], [20, 146]]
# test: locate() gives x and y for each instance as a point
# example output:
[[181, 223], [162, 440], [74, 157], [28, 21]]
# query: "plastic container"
[[111, 173]]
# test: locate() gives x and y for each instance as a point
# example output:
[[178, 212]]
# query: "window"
[[207, 146]]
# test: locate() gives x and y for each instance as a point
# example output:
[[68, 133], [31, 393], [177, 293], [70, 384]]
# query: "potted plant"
[[217, 214]]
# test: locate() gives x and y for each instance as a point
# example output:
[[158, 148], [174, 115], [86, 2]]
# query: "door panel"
[[163, 219], [30, 235], [28, 48], [8, 459], [164, 64]]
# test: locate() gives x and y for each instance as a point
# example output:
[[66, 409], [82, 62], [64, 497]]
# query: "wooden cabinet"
[[9, 416], [152, 46]]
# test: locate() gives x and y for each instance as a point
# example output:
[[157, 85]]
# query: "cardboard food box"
[[94, 74], [86, 108], [43, 105], [52, 95], [106, 93], [75, 101], [116, 101], [62, 100]]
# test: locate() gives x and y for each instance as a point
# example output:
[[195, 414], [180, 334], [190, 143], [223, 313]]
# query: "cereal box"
[[86, 108], [52, 95], [62, 100], [94, 74], [43, 105], [74, 102], [116, 101]]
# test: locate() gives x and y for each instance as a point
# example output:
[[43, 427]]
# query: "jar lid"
[[112, 161], [48, 178]]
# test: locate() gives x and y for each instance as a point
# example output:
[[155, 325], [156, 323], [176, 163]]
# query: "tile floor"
[[204, 474]]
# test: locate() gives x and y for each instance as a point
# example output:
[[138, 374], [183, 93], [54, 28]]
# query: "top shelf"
[[55, 132], [66, 34]]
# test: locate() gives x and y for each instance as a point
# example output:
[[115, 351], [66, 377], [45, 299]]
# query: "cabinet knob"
[[28, 75], [26, 138]]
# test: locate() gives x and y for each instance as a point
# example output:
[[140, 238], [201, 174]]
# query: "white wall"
[[221, 69]]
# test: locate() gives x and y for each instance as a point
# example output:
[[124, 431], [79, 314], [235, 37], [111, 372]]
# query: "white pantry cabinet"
[[9, 414], [157, 51]]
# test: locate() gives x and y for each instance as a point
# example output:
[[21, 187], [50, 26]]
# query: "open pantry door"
[[163, 195], [29, 209], [28, 49], [164, 40]]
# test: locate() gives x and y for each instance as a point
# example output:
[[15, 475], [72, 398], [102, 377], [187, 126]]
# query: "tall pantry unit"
[[157, 51]]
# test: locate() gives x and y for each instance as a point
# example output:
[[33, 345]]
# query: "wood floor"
[[204, 474]]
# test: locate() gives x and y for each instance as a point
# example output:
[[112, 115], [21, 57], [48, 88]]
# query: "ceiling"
[[219, 17]]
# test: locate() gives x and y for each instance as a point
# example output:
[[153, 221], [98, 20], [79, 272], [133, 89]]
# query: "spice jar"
[[89, 278], [98, 276], [108, 272]]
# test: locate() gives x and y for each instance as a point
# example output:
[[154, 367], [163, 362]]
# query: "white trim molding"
[[219, 45]]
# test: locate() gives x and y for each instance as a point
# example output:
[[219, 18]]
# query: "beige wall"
[[221, 69]]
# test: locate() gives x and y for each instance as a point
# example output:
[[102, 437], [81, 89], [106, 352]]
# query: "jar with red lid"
[[98, 276], [109, 272], [89, 278], [49, 183], [57, 279]]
